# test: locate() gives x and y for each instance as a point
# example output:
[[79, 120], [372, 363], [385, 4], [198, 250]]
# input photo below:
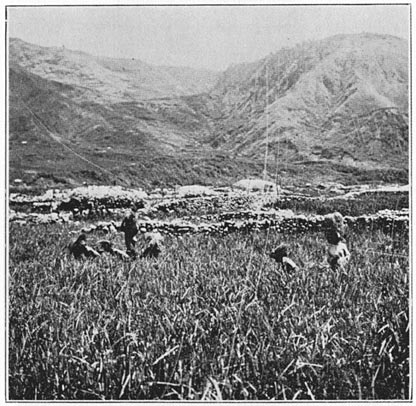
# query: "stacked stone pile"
[[385, 220], [220, 213], [39, 218], [361, 192], [99, 201], [83, 202], [213, 204], [255, 214], [283, 221], [286, 223], [367, 191]]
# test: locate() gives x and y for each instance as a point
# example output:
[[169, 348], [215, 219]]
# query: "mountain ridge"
[[310, 89], [82, 69], [340, 102]]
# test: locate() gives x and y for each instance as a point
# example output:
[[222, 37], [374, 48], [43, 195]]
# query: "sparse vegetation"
[[215, 135]]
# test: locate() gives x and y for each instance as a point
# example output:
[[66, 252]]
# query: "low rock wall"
[[386, 221]]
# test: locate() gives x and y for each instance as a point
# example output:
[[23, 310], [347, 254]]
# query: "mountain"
[[318, 95], [335, 109], [109, 80]]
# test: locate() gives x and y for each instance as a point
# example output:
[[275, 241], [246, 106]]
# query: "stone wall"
[[287, 223]]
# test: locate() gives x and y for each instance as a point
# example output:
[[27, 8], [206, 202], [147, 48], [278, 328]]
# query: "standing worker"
[[130, 230], [338, 254]]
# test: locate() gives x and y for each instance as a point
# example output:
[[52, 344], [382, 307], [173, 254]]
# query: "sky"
[[210, 37]]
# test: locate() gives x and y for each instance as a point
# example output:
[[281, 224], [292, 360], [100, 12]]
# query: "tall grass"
[[214, 318], [367, 203]]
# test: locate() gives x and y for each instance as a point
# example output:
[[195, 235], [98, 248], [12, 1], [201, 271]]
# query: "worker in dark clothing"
[[154, 247], [280, 255], [130, 230], [80, 249]]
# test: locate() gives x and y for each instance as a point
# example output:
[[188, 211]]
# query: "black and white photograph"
[[208, 202]]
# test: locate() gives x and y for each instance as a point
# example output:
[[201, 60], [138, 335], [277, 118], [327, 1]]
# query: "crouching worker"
[[80, 249], [338, 254], [281, 257], [154, 245], [107, 246], [130, 230]]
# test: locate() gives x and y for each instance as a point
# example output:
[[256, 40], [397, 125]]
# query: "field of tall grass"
[[213, 318], [367, 203]]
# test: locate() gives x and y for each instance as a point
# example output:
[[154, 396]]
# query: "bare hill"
[[109, 80], [347, 95], [336, 109]]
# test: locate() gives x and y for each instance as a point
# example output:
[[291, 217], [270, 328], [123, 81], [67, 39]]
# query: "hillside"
[[109, 80], [336, 109], [321, 96]]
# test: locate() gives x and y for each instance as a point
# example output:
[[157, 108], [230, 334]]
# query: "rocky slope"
[[335, 109], [344, 96], [109, 80]]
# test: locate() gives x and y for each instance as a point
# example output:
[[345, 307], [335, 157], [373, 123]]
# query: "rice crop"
[[213, 319]]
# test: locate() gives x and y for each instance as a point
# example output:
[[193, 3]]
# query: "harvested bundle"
[[280, 255], [154, 245], [338, 255], [107, 246]]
